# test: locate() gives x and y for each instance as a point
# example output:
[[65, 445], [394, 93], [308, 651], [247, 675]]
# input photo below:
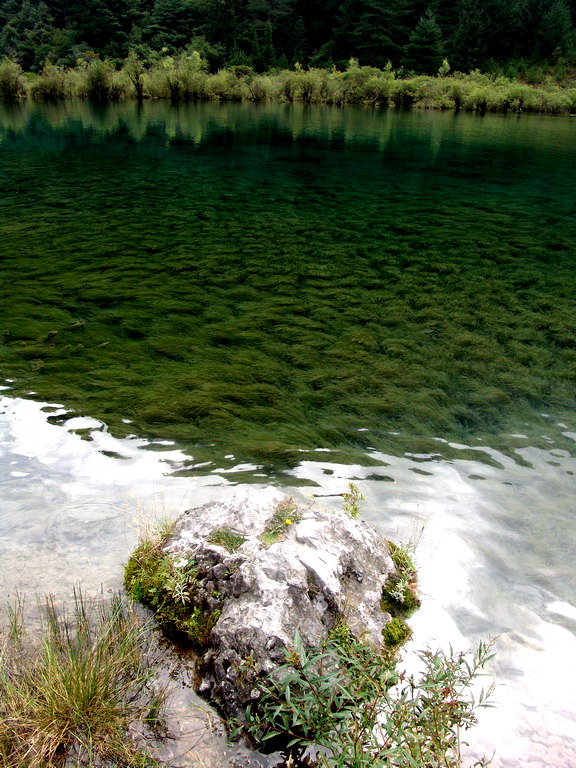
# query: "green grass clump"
[[225, 537], [401, 557], [74, 696], [198, 626]]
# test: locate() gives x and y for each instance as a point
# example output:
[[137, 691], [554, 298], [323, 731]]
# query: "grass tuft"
[[73, 697], [224, 537]]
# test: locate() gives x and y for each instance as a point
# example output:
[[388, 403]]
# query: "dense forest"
[[503, 35]]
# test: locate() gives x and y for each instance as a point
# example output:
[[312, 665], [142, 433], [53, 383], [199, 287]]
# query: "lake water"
[[202, 296]]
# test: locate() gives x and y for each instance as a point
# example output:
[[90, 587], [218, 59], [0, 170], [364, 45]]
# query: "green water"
[[266, 281]]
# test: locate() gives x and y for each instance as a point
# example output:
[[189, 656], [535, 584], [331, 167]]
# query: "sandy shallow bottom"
[[495, 548]]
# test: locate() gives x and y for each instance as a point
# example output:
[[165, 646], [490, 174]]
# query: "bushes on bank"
[[52, 84], [185, 78], [11, 80], [99, 81], [225, 85]]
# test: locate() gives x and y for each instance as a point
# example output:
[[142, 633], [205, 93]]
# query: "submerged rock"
[[241, 576]]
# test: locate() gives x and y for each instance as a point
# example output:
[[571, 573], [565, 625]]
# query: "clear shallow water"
[[303, 297], [495, 555]]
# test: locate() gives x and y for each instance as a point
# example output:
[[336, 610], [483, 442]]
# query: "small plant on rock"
[[352, 500], [400, 595], [285, 515], [395, 633], [180, 575], [169, 586]]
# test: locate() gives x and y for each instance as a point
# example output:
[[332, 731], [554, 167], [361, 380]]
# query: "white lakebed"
[[496, 554]]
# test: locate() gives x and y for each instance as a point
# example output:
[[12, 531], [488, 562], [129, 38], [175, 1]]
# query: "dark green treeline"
[[513, 35]]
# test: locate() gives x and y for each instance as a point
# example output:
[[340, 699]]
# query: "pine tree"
[[319, 18], [267, 49], [514, 37], [172, 23], [374, 31], [425, 51], [471, 40], [556, 33]]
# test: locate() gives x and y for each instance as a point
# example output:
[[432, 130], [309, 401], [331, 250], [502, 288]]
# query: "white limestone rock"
[[324, 566]]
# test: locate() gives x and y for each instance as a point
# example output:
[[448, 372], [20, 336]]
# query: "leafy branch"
[[347, 702]]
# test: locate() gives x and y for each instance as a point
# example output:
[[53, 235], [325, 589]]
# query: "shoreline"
[[185, 79]]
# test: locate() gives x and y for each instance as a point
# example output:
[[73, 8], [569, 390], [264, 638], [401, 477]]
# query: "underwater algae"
[[264, 282]]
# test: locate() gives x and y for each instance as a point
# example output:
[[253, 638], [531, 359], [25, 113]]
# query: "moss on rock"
[[168, 587], [396, 633]]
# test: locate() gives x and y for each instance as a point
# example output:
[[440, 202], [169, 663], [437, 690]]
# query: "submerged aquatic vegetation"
[[357, 274]]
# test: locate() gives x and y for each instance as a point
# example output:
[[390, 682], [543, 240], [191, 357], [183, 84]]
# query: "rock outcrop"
[[246, 573]]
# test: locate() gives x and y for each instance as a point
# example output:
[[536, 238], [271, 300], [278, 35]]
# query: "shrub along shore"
[[185, 78]]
